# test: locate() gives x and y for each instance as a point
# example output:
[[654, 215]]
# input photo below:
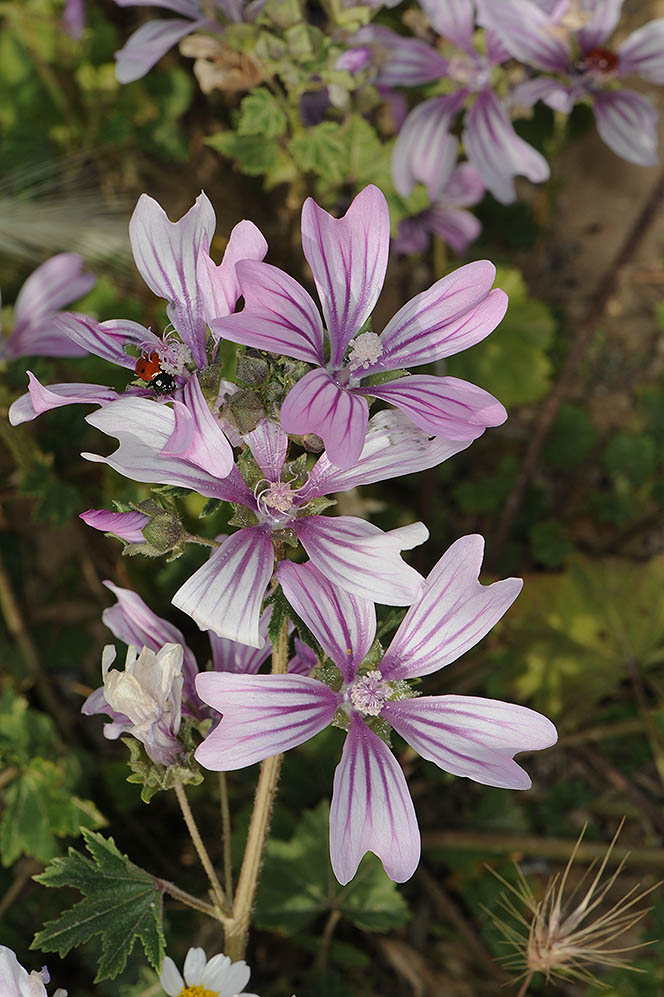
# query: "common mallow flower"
[[348, 258], [50, 287], [587, 67], [215, 977], [367, 695], [226, 594], [15, 981], [173, 259], [145, 699], [447, 216]]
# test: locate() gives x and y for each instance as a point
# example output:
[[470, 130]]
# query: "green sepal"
[[155, 778]]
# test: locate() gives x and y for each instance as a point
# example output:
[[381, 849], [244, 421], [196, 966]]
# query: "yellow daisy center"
[[198, 991]]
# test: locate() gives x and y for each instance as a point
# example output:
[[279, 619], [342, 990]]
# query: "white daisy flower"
[[15, 981], [218, 977]]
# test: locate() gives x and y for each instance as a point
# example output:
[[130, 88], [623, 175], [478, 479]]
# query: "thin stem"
[[326, 940], [238, 930], [226, 837], [186, 898], [584, 335], [194, 538], [652, 731], [195, 836], [524, 986]]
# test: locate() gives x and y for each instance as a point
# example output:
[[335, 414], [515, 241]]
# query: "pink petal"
[[343, 624], [604, 19], [230, 656], [143, 427], [527, 32], [453, 19], [643, 52], [455, 226], [197, 436], [226, 593], [316, 404], [218, 285], [147, 45], [372, 810], [107, 339], [472, 737], [456, 312], [452, 615], [348, 258], [166, 253], [465, 187], [40, 398], [303, 660], [50, 287], [269, 446], [126, 525], [359, 558], [262, 715], [278, 315], [394, 445], [627, 122], [425, 149], [446, 406]]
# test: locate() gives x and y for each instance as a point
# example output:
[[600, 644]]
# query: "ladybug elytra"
[[148, 368]]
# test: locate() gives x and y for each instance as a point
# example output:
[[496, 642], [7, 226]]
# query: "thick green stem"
[[237, 930]]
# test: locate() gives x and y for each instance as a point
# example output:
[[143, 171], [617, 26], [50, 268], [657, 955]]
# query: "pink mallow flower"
[[173, 259], [50, 287], [348, 258], [226, 594], [468, 736]]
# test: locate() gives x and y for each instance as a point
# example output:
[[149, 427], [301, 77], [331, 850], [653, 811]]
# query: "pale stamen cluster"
[[563, 936]]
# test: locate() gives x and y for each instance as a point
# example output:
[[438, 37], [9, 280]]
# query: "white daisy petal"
[[236, 980], [170, 978], [216, 972], [194, 966]]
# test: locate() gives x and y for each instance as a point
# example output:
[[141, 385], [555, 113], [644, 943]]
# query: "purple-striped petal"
[[393, 446], [133, 622], [50, 287], [643, 52], [316, 404], [279, 315], [453, 19], [362, 559], [126, 525], [107, 339], [230, 656], [456, 312], [552, 92], [147, 45], [401, 61], [472, 737], [197, 436], [269, 446], [496, 151], [303, 660], [465, 187], [455, 226], [41, 398], [372, 810], [166, 254], [453, 614], [143, 427], [218, 285], [225, 595], [602, 22], [527, 32], [425, 149], [348, 259], [262, 715], [343, 624], [445, 406], [188, 8], [627, 122]]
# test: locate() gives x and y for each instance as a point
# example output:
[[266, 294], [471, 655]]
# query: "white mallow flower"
[[148, 693], [218, 977], [15, 981]]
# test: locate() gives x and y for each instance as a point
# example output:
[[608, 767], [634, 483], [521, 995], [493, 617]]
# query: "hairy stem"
[[238, 929], [524, 986], [226, 837], [195, 836], [164, 886]]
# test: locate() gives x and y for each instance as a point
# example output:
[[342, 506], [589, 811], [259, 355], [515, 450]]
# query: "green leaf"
[[632, 456], [549, 545], [321, 150], [254, 154], [512, 362], [261, 114], [39, 808], [297, 884], [571, 438], [121, 903]]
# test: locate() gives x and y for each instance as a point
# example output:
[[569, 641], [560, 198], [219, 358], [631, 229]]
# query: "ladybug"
[[149, 369]]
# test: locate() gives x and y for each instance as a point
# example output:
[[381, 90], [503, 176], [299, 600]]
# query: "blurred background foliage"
[[584, 643]]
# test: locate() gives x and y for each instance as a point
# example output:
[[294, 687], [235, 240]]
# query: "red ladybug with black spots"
[[149, 369]]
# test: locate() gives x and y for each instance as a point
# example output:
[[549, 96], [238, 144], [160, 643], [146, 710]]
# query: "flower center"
[[198, 991], [369, 693], [277, 497], [601, 61], [175, 357], [467, 72], [365, 350]]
